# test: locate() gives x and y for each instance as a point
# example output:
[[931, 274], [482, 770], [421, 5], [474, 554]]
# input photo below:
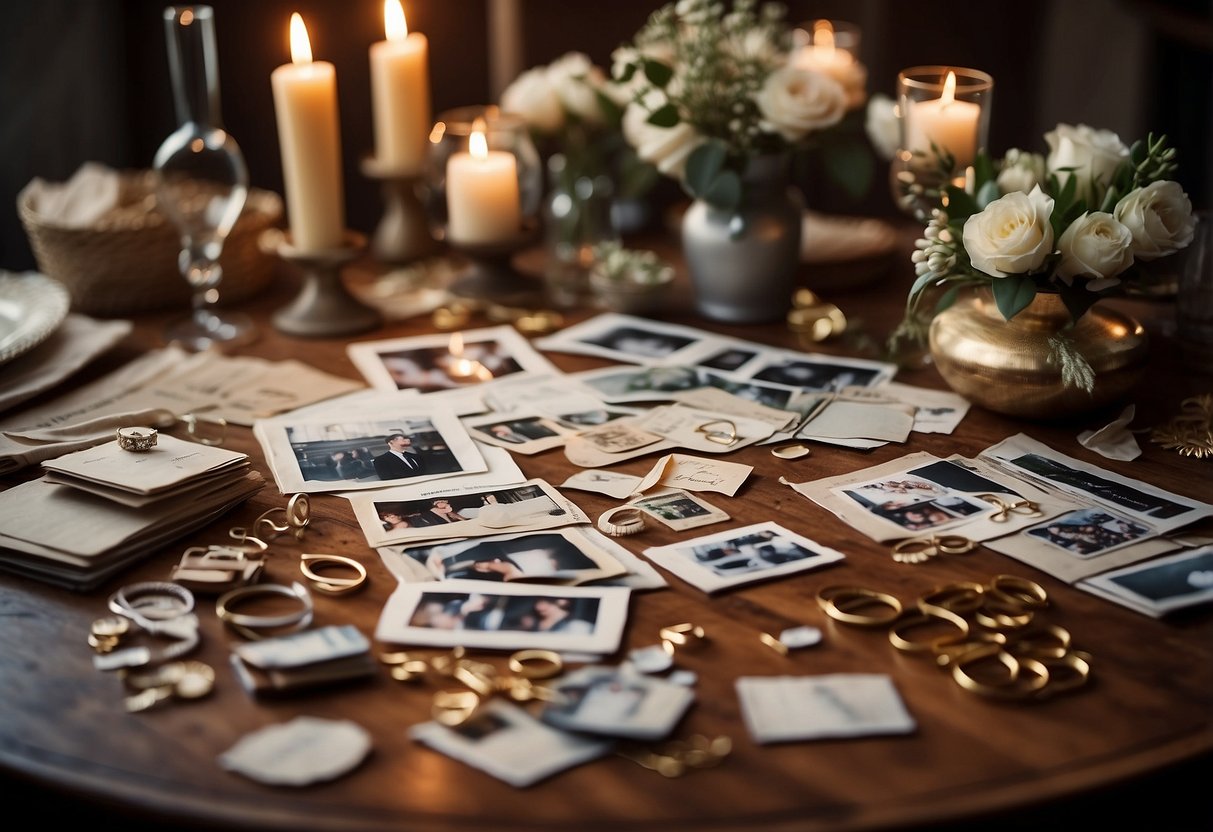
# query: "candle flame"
[[949, 89], [823, 35], [394, 23], [301, 47], [478, 145]]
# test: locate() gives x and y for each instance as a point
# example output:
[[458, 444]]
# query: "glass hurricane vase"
[[201, 178]]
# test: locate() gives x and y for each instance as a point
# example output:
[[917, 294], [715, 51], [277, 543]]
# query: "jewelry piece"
[[1191, 432], [297, 514], [248, 625], [909, 622], [191, 426], [1018, 591], [839, 602], [329, 585], [1018, 684], [682, 634], [774, 643], [962, 598], [1048, 642], [920, 549], [138, 440], [792, 451], [536, 664], [452, 708], [720, 431], [621, 521], [1006, 509], [216, 568], [152, 601]]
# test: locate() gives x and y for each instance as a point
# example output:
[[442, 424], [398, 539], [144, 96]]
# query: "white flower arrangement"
[[707, 89], [1082, 222]]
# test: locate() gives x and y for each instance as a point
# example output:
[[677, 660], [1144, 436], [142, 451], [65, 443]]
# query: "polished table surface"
[[1150, 702]]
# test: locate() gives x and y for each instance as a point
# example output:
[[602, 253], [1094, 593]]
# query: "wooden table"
[[62, 723]]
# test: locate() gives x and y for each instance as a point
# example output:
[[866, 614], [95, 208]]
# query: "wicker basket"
[[126, 262]]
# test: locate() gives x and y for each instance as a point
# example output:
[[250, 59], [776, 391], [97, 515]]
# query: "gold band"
[[840, 602], [1019, 591], [962, 598], [536, 664], [910, 622], [330, 585]]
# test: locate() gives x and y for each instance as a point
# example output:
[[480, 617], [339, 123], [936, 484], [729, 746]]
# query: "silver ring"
[[152, 601], [138, 440], [244, 622]]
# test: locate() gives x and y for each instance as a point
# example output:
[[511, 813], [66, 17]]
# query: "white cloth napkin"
[[78, 203]]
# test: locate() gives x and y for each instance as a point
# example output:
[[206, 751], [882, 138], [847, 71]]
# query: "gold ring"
[[681, 634], [962, 597], [1076, 670], [855, 597], [452, 708], [137, 440], [536, 664], [245, 623], [954, 544], [328, 585], [794, 450], [909, 622], [1048, 642], [621, 520], [1019, 590], [1019, 685]]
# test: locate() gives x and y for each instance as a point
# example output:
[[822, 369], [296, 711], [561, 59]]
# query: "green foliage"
[[708, 178], [1013, 294]]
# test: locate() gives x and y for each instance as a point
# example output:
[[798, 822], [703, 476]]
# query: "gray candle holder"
[[403, 234], [324, 306], [490, 274]]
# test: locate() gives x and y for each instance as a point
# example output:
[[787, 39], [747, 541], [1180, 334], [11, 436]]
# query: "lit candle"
[[309, 138], [950, 124], [821, 53], [400, 94], [483, 204]]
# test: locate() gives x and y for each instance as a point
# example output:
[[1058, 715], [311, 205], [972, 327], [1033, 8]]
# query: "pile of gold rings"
[[481, 680], [997, 647]]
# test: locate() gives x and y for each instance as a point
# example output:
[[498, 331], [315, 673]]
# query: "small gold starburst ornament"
[[1191, 432]]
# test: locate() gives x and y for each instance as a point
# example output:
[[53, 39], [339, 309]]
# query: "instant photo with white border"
[[509, 616], [741, 556], [816, 372], [680, 510], [447, 361], [520, 433], [1090, 532], [1159, 586], [631, 339], [913, 503], [1159, 509], [301, 452], [617, 702], [398, 515]]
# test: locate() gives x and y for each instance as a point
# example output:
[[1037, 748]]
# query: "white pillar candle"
[[309, 138], [483, 204], [400, 94], [950, 124]]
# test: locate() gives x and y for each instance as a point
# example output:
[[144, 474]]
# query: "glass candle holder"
[[944, 119], [828, 35], [832, 47]]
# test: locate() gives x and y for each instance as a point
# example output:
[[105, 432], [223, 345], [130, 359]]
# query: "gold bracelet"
[[962, 598], [909, 622], [1019, 685], [1018, 591], [1046, 642], [856, 597]]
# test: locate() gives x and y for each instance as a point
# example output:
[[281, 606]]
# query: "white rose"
[[1097, 246], [882, 125], [576, 81], [1012, 235], [794, 102], [1159, 216], [1021, 171], [666, 148], [1094, 155], [532, 97]]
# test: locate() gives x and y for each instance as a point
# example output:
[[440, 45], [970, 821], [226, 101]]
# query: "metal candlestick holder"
[[490, 274], [324, 306], [403, 234]]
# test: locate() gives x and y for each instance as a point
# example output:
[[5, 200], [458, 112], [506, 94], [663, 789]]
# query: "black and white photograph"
[[619, 385], [741, 556], [617, 702], [504, 741], [1161, 585], [509, 616], [1089, 532], [1159, 509], [822, 374], [558, 556], [914, 503], [523, 434], [433, 363], [387, 518], [631, 339], [680, 509], [729, 359], [371, 451]]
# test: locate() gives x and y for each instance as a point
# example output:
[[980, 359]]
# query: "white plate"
[[32, 306]]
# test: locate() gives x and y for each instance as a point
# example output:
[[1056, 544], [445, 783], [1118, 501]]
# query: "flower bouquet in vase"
[[715, 101], [1042, 239]]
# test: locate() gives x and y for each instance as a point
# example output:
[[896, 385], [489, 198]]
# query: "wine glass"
[[201, 178]]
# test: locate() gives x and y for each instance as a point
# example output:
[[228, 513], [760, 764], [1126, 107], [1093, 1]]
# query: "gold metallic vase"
[[1006, 366]]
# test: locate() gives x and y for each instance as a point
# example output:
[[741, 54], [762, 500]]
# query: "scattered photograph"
[[741, 556], [617, 385], [778, 396], [820, 374], [679, 509], [594, 417], [432, 363], [504, 741], [505, 616], [519, 434], [534, 504], [729, 359], [558, 556], [370, 452], [1143, 503], [1090, 531], [1159, 586], [914, 503], [630, 339], [616, 702]]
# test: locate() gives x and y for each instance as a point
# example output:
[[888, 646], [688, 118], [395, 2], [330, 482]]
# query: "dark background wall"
[[86, 80]]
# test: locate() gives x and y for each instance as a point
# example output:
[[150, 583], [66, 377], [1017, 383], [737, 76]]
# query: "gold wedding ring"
[[137, 440], [536, 664], [933, 644], [842, 602], [326, 583]]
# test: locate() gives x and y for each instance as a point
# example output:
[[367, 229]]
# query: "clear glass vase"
[[202, 180], [576, 218]]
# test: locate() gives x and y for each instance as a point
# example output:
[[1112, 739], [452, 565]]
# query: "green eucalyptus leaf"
[[703, 164], [724, 192], [1013, 294], [658, 73], [947, 299], [987, 193], [664, 116], [960, 204]]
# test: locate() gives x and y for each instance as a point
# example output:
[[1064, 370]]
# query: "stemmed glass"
[[202, 180]]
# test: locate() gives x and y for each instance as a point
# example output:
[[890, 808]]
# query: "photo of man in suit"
[[400, 460]]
